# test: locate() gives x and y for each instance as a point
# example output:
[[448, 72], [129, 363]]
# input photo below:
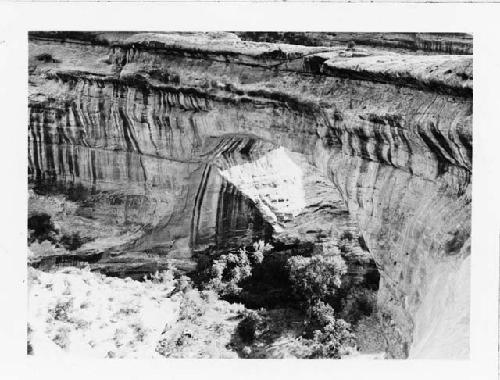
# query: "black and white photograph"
[[249, 194]]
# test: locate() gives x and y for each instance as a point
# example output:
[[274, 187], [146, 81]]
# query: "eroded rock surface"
[[210, 142]]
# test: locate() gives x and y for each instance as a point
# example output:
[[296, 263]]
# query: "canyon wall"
[[439, 43], [207, 135]]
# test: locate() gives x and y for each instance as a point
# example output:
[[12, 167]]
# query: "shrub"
[[333, 338], [333, 341], [228, 271], [317, 277], [62, 310], [87, 313], [248, 326], [358, 303], [46, 58], [166, 277], [260, 247], [41, 228], [192, 306], [330, 337], [322, 314]]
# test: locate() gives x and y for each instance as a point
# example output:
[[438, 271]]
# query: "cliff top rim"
[[443, 73], [420, 43]]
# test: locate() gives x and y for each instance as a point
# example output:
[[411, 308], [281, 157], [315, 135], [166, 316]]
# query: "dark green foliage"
[[359, 302], [322, 314], [228, 271], [41, 228], [61, 310], [46, 58], [332, 341], [269, 286], [334, 336], [310, 284], [328, 336], [316, 278], [248, 326]]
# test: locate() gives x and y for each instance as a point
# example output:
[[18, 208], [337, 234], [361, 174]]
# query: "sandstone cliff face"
[[202, 136], [447, 43]]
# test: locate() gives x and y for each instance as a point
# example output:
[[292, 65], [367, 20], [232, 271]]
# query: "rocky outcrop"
[[440, 43], [376, 148]]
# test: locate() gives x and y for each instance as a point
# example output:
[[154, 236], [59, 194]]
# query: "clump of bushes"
[[316, 278], [40, 228], [247, 327], [228, 271], [87, 313], [45, 238], [328, 337], [358, 303], [322, 335], [333, 338], [332, 342], [203, 327], [314, 281], [46, 58]]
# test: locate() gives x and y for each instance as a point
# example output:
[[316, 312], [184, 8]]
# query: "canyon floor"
[[249, 194]]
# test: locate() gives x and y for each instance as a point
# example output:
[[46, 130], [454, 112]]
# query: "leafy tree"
[[333, 341], [330, 337], [316, 278], [229, 270], [333, 336]]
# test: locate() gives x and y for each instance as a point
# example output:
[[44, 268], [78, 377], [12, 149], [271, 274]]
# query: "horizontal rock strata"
[[379, 144]]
